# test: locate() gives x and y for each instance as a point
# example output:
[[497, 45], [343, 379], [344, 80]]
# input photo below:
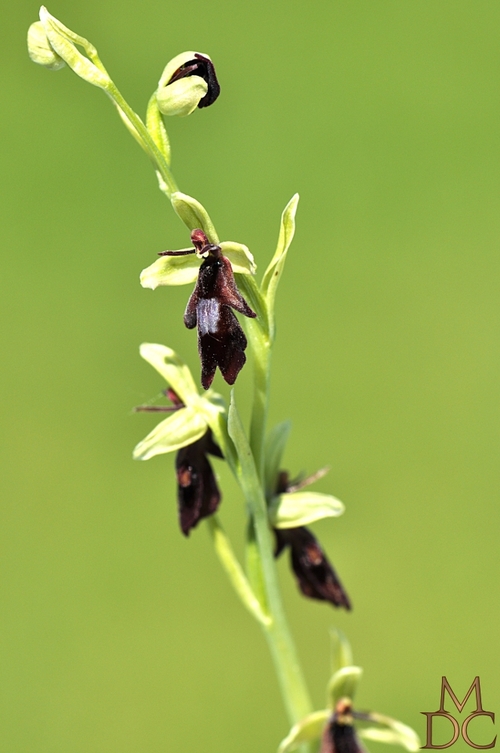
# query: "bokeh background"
[[119, 635]]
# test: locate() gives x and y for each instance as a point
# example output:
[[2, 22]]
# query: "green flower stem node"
[[343, 684], [396, 733], [233, 569], [194, 215], [274, 448], [39, 48], [157, 130], [64, 43], [308, 729], [301, 508], [274, 271]]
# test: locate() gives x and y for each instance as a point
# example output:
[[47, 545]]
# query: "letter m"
[[445, 685]]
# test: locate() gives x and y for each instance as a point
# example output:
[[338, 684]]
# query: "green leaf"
[[193, 214], [301, 508], [341, 652], [156, 128], [172, 369], [395, 733], [275, 446], [178, 430], [171, 270], [274, 271], [343, 684], [233, 569], [309, 728], [241, 259]]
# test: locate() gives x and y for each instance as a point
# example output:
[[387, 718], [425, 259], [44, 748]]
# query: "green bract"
[[64, 43], [301, 508], [187, 424]]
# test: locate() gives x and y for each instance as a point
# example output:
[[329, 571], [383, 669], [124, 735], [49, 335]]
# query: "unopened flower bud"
[[39, 48], [188, 82]]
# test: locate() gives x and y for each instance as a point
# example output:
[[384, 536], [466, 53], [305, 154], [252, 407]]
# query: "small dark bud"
[[203, 67]]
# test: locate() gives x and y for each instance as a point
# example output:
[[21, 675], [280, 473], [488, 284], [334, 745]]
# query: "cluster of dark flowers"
[[221, 343]]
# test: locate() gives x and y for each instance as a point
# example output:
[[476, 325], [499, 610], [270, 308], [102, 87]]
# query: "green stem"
[[146, 141], [278, 635]]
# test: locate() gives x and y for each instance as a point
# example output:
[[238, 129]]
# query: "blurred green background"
[[119, 635]]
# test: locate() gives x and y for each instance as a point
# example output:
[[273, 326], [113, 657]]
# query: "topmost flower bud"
[[188, 82]]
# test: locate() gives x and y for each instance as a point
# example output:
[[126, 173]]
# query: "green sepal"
[[274, 271], [343, 684], [181, 97], [275, 446], [180, 429], [171, 270], [341, 652], [63, 41], [239, 255], [302, 508], [173, 370], [39, 48], [156, 128], [194, 215], [395, 733], [309, 728]]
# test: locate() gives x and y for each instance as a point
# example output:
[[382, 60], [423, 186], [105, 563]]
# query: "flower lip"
[[201, 66], [315, 575], [198, 495]]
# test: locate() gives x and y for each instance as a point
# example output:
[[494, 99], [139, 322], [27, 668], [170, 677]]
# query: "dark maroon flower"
[[315, 575], [339, 735], [201, 66], [198, 495], [221, 340]]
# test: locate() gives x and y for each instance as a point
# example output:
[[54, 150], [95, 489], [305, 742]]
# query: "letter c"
[[465, 733]]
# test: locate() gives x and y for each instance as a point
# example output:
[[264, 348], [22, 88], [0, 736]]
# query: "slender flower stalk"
[[196, 424]]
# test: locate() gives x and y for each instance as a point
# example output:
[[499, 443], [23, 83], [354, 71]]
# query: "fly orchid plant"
[[199, 424]]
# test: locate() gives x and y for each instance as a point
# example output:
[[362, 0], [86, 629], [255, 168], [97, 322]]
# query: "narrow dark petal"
[[227, 292], [315, 575], [211, 79], [190, 315], [197, 493]]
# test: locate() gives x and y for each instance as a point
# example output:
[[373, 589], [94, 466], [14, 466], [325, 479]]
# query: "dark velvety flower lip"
[[198, 495], [339, 735], [315, 575], [204, 68]]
